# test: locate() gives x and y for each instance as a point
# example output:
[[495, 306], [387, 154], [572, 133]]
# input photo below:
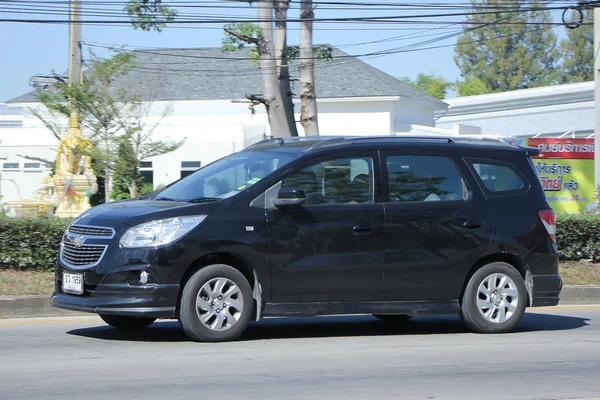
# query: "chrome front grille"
[[81, 255], [76, 249], [92, 231]]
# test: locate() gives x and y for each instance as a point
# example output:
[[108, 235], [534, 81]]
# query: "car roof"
[[311, 144]]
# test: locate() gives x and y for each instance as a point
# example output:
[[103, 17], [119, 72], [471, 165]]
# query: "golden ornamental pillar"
[[74, 179]]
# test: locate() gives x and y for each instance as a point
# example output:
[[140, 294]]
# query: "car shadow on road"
[[331, 326]]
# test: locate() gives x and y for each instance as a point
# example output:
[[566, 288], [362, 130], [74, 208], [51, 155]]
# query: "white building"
[[551, 111], [204, 91]]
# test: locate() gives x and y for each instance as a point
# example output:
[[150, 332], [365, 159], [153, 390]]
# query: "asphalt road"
[[554, 355]]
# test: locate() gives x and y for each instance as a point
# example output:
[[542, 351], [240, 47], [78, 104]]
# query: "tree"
[[238, 35], [308, 96], [504, 53], [100, 109], [283, 72], [107, 115], [149, 15], [471, 87], [271, 52], [434, 85], [138, 143], [124, 187], [577, 52], [274, 83]]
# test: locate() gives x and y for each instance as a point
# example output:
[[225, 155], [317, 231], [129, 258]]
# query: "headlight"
[[160, 232]]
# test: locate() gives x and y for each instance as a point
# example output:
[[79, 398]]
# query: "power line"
[[212, 19]]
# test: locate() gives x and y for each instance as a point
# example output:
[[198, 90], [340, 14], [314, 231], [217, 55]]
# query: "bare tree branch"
[[243, 38]]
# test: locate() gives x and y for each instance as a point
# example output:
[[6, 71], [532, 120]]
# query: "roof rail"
[[395, 137], [326, 141], [279, 141]]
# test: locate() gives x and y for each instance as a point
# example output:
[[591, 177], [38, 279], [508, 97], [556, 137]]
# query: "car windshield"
[[226, 177]]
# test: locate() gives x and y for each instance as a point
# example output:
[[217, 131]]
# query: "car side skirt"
[[371, 307]]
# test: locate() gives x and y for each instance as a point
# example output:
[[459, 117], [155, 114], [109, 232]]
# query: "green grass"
[[21, 283], [577, 273]]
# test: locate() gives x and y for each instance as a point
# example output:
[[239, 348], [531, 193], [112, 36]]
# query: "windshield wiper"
[[202, 199]]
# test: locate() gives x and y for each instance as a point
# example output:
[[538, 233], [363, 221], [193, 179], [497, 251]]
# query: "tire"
[[494, 299], [393, 318], [206, 317], [127, 323]]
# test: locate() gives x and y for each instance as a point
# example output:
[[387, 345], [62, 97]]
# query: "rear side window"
[[424, 178], [499, 177]]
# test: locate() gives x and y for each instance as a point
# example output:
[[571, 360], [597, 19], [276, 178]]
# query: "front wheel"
[[494, 300], [216, 304], [127, 323]]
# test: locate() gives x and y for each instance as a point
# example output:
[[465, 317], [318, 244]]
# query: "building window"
[[10, 166], [33, 167], [188, 167], [147, 173]]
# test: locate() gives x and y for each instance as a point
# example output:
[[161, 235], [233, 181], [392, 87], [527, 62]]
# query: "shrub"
[[34, 243], [30, 243], [578, 237]]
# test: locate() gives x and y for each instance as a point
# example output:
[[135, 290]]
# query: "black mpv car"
[[392, 226]]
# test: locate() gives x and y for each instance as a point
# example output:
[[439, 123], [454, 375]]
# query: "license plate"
[[72, 283]]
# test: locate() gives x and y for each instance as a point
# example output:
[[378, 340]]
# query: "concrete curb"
[[580, 295], [39, 306], [31, 306]]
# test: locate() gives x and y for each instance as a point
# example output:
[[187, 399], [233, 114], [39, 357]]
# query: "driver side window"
[[337, 181]]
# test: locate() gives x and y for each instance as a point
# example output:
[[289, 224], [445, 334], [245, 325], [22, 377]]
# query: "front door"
[[435, 228], [329, 249]]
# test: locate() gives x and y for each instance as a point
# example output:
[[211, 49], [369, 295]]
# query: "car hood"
[[134, 212]]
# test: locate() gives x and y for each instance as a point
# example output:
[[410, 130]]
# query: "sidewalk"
[[39, 306]]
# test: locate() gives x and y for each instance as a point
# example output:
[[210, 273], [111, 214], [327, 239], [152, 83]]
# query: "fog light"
[[144, 277]]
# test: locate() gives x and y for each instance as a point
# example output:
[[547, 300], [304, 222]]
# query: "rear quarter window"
[[498, 177]]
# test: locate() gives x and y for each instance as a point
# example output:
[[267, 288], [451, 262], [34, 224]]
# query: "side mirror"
[[290, 197]]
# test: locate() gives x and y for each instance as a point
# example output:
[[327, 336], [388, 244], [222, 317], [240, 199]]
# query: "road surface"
[[554, 355]]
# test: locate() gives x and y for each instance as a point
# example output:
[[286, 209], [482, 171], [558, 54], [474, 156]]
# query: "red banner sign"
[[563, 148]]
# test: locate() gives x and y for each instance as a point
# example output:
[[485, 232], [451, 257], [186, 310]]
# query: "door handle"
[[363, 228], [473, 224]]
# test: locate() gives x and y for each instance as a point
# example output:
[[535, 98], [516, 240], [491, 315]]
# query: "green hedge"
[[33, 243], [578, 237], [30, 243]]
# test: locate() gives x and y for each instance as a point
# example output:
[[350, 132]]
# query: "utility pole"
[[74, 59]]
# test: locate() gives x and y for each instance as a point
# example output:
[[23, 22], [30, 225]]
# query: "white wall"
[[353, 117], [214, 129], [550, 110], [30, 139], [530, 121], [412, 112]]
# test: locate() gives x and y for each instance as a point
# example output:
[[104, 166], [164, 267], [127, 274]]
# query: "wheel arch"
[[509, 258], [233, 260]]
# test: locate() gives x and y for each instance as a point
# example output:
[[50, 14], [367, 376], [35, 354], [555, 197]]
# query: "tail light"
[[548, 218]]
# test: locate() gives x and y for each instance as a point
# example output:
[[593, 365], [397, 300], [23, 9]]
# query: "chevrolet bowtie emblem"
[[78, 241]]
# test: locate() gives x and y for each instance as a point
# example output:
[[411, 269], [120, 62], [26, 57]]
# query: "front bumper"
[[546, 290], [153, 300]]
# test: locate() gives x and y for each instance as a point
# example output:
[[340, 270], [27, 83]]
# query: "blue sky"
[[31, 49]]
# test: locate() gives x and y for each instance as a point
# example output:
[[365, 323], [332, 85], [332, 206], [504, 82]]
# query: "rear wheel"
[[216, 304], [127, 323], [394, 318], [494, 300]]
